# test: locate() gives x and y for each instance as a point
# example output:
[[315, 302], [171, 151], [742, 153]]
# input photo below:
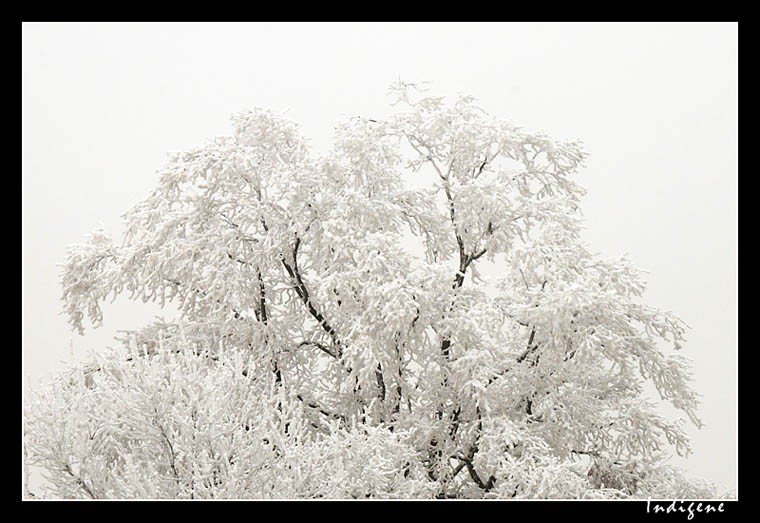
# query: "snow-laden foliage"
[[335, 339]]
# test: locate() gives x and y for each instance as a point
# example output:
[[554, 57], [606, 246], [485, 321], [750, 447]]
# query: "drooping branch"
[[303, 293], [177, 284]]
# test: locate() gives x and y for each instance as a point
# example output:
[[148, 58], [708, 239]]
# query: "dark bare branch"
[[303, 293], [321, 410]]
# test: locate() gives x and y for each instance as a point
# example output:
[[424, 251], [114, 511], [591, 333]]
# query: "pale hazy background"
[[655, 104]]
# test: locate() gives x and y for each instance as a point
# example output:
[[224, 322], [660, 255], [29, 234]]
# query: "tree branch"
[[172, 456], [318, 346], [82, 484], [303, 293], [487, 486], [319, 409], [380, 382], [476, 478]]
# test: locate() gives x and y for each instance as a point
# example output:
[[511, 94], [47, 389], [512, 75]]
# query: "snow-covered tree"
[[334, 337]]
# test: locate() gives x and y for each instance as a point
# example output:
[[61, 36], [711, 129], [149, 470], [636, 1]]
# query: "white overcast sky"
[[655, 104]]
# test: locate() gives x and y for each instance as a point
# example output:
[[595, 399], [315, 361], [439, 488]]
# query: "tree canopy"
[[334, 337]]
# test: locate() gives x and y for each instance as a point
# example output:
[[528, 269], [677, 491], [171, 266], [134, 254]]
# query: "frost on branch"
[[335, 337]]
